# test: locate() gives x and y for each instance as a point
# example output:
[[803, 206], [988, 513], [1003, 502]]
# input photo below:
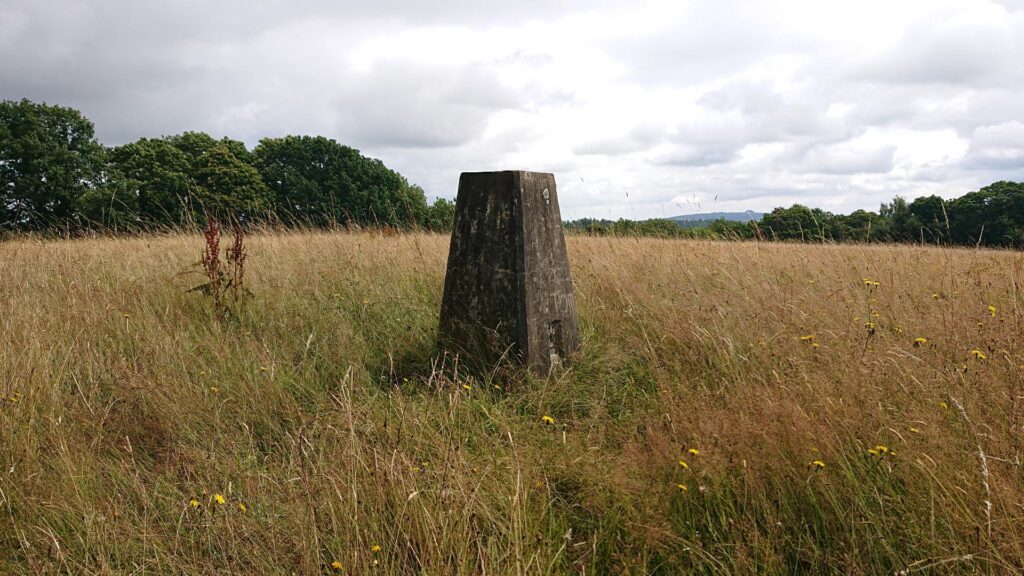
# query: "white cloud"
[[679, 104], [1000, 147]]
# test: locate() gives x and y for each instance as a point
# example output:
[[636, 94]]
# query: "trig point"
[[507, 291]]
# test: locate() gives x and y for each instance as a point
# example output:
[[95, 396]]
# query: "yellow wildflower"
[[219, 498], [881, 451], [807, 338], [694, 451], [936, 296], [336, 565], [818, 464], [193, 503], [920, 341], [242, 507], [915, 430], [375, 548], [682, 487], [547, 419], [992, 310], [978, 354], [870, 283], [684, 465], [466, 386]]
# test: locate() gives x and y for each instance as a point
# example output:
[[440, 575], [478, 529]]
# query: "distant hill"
[[687, 220]]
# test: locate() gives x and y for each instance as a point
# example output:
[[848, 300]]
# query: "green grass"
[[323, 407]]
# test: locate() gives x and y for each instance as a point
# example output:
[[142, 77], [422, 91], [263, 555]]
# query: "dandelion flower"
[[336, 565], [193, 503], [242, 507], [882, 449], [694, 451], [818, 464], [219, 498], [467, 386], [920, 341], [682, 487], [375, 548], [872, 451], [684, 465], [978, 354], [547, 419], [992, 310]]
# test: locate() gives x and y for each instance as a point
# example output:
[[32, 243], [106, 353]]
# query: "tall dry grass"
[[340, 442]]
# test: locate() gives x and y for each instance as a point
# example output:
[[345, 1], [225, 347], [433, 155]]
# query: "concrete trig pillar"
[[507, 289]]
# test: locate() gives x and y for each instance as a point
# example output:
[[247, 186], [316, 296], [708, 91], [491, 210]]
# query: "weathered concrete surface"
[[507, 290]]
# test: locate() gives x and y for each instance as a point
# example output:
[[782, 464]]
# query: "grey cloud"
[[688, 155], [847, 158], [998, 147], [640, 137], [953, 51], [401, 106]]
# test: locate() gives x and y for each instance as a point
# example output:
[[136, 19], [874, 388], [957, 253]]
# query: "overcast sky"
[[640, 108]]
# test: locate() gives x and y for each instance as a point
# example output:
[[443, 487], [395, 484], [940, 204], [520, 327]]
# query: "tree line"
[[55, 175], [991, 216]]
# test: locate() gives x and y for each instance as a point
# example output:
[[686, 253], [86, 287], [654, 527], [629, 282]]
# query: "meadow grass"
[[735, 408]]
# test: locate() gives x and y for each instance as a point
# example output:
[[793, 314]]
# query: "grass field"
[[736, 408]]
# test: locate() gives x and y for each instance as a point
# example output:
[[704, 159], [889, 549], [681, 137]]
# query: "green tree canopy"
[[227, 187], [440, 215], [158, 175], [48, 159], [993, 215], [317, 181]]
